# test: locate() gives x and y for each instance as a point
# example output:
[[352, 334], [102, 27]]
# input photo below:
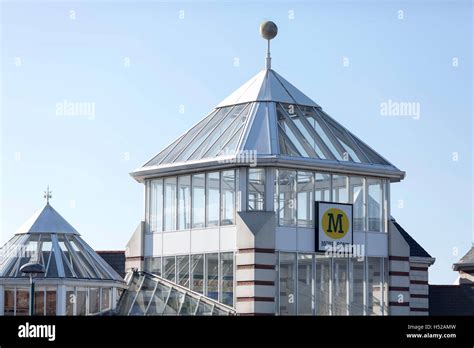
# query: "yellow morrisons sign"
[[334, 224]]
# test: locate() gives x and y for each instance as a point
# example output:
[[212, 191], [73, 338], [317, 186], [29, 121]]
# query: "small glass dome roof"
[[47, 238]]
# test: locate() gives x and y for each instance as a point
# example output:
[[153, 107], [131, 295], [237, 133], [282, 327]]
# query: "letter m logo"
[[335, 225]]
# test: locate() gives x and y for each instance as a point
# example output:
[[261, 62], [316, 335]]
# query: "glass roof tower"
[[230, 209], [77, 281]]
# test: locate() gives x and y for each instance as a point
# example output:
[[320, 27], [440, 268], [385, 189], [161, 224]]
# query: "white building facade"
[[230, 211]]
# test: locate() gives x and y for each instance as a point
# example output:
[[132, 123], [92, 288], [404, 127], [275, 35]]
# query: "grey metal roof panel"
[[415, 248], [467, 261], [46, 220], [469, 257], [267, 85]]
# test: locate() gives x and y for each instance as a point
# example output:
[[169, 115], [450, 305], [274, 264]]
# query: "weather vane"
[[268, 30], [48, 195]]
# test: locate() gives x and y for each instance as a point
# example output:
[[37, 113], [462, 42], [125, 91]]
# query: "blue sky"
[[48, 57]]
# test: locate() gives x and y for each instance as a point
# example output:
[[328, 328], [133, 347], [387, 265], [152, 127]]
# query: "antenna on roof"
[[48, 195], [268, 30]]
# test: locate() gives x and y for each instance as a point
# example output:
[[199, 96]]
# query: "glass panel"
[[373, 156], [129, 295], [228, 197], [213, 198], [183, 270], [305, 194], [81, 300], [218, 311], [286, 194], [71, 257], [374, 187], [194, 137], [158, 158], [323, 279], [170, 154], [225, 145], [22, 301], [153, 265], [256, 188], [39, 301], [170, 204], [46, 257], [217, 132], [308, 137], [50, 301], [105, 301], [374, 286], [212, 267], [204, 308], [174, 302], [339, 189], [184, 209], [358, 201], [189, 306], [52, 268], [199, 201], [286, 146], [143, 297], [385, 203], [82, 258], [305, 284], [313, 118], [343, 138], [9, 301], [356, 287], [197, 273], [160, 296], [66, 264], [339, 288], [169, 268], [287, 272], [293, 136], [322, 187], [227, 280], [9, 250], [24, 254], [229, 122], [94, 298], [156, 205], [70, 301]]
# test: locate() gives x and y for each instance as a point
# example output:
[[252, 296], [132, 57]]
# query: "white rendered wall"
[[206, 240], [301, 239]]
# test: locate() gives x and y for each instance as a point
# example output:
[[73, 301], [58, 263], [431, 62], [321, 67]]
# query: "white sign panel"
[[333, 225]]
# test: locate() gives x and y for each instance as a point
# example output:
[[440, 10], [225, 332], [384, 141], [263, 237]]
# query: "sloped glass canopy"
[[218, 133], [149, 294], [310, 132], [274, 119]]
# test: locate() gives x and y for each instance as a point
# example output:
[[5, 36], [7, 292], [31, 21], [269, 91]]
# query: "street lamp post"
[[32, 269]]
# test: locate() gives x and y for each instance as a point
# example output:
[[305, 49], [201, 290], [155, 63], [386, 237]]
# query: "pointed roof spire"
[[268, 30]]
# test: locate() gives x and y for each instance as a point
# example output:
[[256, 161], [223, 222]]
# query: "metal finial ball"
[[268, 30]]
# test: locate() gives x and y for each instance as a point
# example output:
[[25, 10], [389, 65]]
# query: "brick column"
[[419, 288], [256, 264]]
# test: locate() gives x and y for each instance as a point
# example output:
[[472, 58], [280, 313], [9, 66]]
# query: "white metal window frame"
[[385, 192], [383, 284]]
